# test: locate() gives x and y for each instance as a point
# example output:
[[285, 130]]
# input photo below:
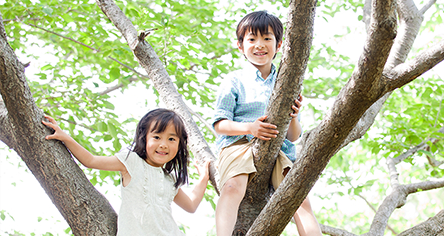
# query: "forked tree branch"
[[149, 60]]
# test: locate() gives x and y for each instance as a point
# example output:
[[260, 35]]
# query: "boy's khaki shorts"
[[237, 159]]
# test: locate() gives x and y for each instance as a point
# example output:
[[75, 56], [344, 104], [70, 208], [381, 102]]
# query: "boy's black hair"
[[158, 120], [259, 21]]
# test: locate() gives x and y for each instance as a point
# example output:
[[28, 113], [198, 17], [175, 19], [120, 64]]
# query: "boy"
[[239, 118]]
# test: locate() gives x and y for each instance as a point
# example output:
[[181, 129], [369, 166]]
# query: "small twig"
[[144, 34], [427, 7]]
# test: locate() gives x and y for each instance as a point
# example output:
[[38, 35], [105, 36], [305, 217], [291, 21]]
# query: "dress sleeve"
[[128, 159]]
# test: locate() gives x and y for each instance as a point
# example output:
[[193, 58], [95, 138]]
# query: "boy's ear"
[[239, 46], [279, 46]]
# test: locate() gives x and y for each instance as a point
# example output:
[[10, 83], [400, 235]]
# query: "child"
[[152, 173], [239, 118]]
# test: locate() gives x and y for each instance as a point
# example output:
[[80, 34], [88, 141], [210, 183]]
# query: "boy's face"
[[259, 49]]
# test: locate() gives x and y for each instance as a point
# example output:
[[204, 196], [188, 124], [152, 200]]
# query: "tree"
[[381, 69]]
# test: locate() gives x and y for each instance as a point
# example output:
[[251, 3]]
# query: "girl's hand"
[[296, 107], [262, 130], [58, 134], [203, 169]]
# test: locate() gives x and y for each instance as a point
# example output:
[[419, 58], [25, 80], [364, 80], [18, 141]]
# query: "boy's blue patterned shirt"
[[244, 97]]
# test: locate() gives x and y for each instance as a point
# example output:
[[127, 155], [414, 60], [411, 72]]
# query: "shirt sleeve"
[[226, 101]]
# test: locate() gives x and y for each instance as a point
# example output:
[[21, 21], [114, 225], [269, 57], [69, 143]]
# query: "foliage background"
[[76, 55]]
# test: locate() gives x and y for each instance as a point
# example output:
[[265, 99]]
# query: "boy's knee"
[[234, 187]]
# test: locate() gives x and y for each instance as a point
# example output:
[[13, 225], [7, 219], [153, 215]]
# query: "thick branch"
[[410, 20], [296, 51], [432, 226], [363, 89], [6, 134], [149, 60], [49, 161], [407, 72]]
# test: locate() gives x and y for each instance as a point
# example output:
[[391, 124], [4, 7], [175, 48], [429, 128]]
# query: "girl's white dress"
[[146, 200]]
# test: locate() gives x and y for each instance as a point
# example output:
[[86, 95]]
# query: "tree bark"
[[362, 90], [84, 208], [296, 51], [433, 226]]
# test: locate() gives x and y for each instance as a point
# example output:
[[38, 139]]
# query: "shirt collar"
[[253, 73]]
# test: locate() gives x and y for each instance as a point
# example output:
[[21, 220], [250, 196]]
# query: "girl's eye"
[[172, 139], [156, 137]]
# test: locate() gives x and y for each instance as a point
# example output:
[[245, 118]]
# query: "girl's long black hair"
[[159, 119]]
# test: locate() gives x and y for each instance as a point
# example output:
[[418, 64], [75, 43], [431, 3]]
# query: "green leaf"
[[114, 73], [47, 10], [112, 130]]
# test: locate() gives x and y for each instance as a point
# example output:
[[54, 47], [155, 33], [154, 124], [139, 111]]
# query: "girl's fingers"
[[50, 119]]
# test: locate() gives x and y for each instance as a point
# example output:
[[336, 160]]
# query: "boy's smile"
[[260, 50]]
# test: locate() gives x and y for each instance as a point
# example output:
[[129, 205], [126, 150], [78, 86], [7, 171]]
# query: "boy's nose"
[[259, 44]]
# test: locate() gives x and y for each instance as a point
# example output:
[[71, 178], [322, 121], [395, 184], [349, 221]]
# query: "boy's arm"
[[295, 128], [80, 153], [258, 128], [190, 202]]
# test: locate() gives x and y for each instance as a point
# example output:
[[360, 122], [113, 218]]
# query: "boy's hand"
[[203, 169], [262, 130], [58, 134], [296, 107]]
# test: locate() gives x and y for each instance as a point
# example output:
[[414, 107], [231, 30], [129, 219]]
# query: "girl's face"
[[161, 147]]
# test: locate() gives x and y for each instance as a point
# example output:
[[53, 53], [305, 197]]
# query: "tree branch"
[[407, 72], [95, 50], [361, 91], [6, 134], [432, 226], [427, 6], [149, 60], [334, 231], [49, 161], [374, 210], [411, 151]]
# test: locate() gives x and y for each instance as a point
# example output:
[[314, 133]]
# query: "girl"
[[152, 173]]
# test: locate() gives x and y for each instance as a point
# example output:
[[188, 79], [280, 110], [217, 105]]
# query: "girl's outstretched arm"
[[80, 153], [190, 202]]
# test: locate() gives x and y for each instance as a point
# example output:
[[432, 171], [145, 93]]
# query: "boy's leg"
[[304, 217], [306, 221], [227, 207]]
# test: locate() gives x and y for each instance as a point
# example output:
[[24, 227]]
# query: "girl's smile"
[[161, 147]]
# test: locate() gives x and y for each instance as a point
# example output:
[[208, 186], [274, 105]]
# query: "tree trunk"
[[296, 51], [84, 208]]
